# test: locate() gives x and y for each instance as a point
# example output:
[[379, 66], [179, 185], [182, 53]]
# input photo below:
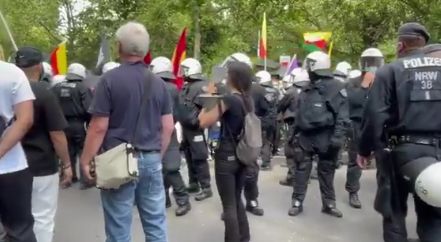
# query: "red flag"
[[148, 58], [178, 56]]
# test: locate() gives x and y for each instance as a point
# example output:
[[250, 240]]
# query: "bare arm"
[[166, 132], [24, 113], [59, 141], [209, 116], [94, 139]]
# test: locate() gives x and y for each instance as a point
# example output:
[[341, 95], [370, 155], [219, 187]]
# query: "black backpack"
[[314, 111]]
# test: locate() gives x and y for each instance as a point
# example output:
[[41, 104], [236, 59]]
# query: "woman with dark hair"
[[229, 171]]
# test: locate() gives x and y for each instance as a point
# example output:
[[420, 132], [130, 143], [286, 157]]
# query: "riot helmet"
[[76, 72], [301, 78], [424, 176], [238, 57], [191, 69], [318, 64], [263, 77], [162, 67], [109, 66], [371, 59], [47, 68], [342, 71]]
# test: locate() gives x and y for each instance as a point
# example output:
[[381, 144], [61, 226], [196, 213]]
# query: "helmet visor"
[[371, 64]]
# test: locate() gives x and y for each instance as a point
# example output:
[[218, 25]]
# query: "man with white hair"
[[115, 111]]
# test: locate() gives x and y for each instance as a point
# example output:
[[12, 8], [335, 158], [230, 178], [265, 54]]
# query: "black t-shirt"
[[233, 119], [37, 144]]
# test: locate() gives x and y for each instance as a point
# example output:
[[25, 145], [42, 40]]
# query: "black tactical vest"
[[418, 90], [70, 99]]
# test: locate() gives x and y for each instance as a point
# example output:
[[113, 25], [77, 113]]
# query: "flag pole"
[[265, 63], [258, 43], [8, 31]]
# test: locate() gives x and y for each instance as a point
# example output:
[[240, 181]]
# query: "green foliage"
[[226, 26]]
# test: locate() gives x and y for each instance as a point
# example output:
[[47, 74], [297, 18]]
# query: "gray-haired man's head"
[[133, 39]]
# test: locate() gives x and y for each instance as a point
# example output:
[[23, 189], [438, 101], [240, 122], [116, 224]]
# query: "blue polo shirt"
[[119, 96]]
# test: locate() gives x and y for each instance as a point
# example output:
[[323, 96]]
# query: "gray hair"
[[134, 39]]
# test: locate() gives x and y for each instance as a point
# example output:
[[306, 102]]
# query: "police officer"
[[342, 71], [251, 188], [75, 99], [194, 142], [163, 67], [321, 120], [269, 118], [402, 113], [371, 59], [287, 108]]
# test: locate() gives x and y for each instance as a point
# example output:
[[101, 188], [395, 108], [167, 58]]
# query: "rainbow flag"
[[58, 59], [263, 48], [178, 56], [317, 41]]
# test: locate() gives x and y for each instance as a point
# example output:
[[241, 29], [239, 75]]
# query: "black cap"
[[414, 29], [27, 57]]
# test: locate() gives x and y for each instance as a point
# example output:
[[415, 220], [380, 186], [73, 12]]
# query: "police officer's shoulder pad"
[[343, 92]]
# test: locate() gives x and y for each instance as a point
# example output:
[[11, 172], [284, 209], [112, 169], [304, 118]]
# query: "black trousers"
[[326, 171], [267, 145], [76, 136], [429, 218], [353, 173], [230, 177], [198, 170], [174, 179], [15, 206], [251, 190]]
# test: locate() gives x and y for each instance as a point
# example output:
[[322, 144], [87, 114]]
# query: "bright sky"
[[79, 5]]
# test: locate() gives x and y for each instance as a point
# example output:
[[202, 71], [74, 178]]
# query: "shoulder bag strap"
[[145, 98]]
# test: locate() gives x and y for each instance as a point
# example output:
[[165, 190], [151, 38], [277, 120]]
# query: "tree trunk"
[[197, 31]]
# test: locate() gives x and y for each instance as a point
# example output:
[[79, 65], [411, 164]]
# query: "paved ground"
[[80, 216]]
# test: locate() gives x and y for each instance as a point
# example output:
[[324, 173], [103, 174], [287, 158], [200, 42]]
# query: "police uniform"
[[269, 125], [287, 110], [357, 96], [172, 158], [75, 99], [404, 107], [321, 121], [194, 143]]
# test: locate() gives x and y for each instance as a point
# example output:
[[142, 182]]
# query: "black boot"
[[296, 209], [193, 188], [332, 210], [287, 182], [204, 194], [183, 209], [253, 207], [354, 201]]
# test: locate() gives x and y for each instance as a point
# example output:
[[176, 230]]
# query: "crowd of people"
[[48, 124]]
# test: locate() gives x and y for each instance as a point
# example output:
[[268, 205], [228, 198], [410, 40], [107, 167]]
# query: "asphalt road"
[[80, 216]]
